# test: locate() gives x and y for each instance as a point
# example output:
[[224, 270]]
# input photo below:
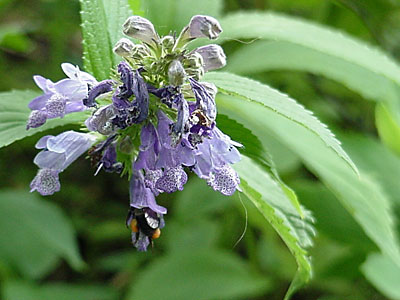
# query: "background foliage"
[[324, 54]]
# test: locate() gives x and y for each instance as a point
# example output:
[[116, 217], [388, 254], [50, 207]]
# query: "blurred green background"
[[74, 245]]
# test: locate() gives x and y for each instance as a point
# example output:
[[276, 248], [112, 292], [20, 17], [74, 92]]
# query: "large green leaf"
[[253, 148], [281, 55], [265, 97], [117, 11], [97, 48], [101, 28], [20, 290], [35, 234], [14, 113], [383, 274], [361, 196], [270, 199], [205, 275], [317, 37]]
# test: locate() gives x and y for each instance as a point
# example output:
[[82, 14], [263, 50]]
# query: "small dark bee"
[[144, 220]]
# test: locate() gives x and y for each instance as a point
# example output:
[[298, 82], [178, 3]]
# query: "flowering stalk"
[[154, 120]]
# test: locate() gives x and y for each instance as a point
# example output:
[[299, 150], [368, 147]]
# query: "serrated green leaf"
[[383, 274], [14, 113], [272, 202], [97, 48], [35, 234], [266, 97], [317, 37], [206, 275], [253, 148], [117, 11], [362, 197], [281, 55]]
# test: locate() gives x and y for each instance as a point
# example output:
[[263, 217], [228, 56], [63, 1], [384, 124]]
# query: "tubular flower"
[[154, 121]]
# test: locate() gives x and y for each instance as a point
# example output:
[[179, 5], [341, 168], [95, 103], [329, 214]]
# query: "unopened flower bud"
[[176, 73], [168, 42], [195, 60], [213, 57], [123, 47], [141, 29], [204, 26]]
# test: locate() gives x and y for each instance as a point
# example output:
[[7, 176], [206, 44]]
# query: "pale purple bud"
[[213, 57], [141, 29], [204, 26], [124, 47]]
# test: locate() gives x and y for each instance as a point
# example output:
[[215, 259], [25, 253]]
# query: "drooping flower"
[[58, 152], [60, 98]]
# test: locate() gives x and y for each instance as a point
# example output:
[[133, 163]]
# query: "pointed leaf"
[[97, 51], [362, 197], [281, 55], [279, 27], [253, 148], [266, 97], [272, 202], [117, 11]]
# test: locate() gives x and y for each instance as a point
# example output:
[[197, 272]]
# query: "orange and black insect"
[[144, 220]]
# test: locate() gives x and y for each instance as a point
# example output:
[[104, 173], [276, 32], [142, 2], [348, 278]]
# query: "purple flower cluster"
[[157, 95]]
